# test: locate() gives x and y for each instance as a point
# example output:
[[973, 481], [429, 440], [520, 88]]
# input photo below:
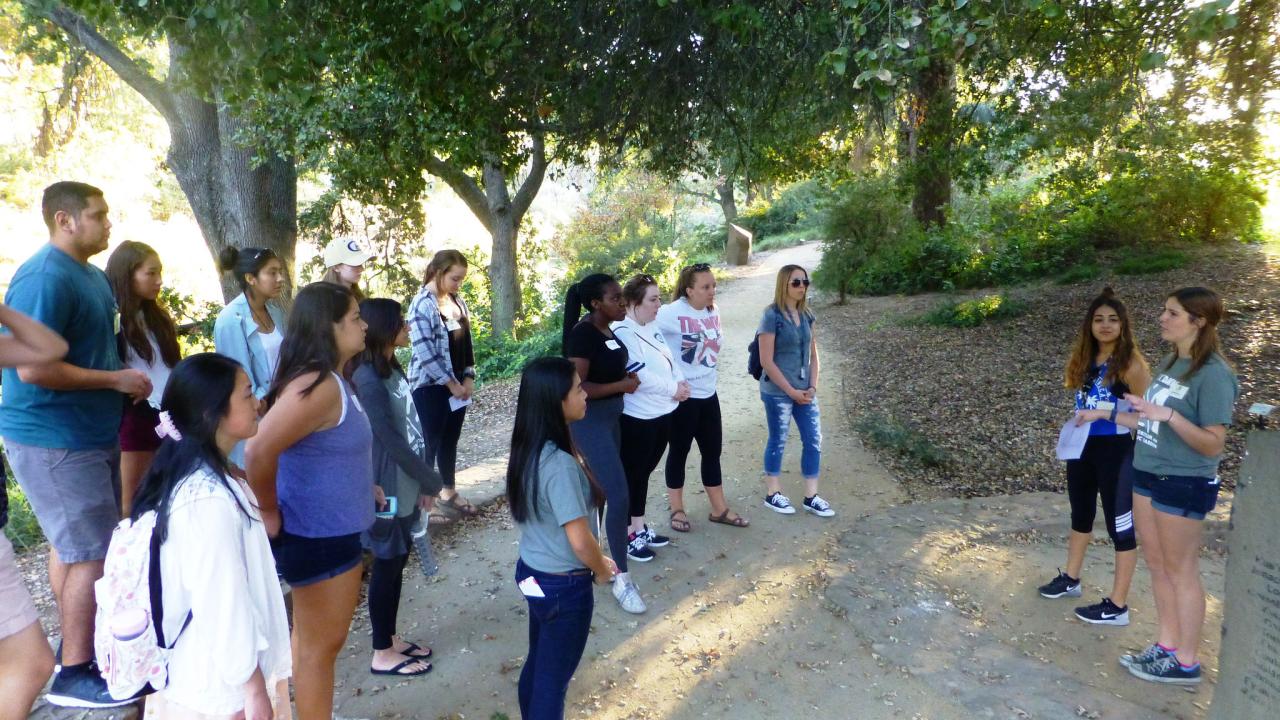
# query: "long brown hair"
[[1086, 348], [688, 276], [1203, 303], [780, 290], [441, 263], [138, 314]]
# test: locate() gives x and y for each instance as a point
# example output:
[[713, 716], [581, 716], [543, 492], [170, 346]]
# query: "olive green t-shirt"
[[1206, 398]]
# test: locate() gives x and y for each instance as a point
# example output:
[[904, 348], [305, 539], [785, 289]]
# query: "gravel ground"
[[990, 398]]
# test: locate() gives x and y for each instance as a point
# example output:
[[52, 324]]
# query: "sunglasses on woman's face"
[[797, 282]]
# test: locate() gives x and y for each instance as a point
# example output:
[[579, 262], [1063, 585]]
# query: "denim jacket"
[[235, 334]]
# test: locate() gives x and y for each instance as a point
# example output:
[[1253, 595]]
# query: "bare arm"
[[65, 376], [813, 358], [587, 549], [29, 342], [1208, 441], [292, 417]]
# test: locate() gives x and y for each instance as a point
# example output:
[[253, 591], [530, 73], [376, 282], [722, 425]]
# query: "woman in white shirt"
[[690, 323], [646, 413], [148, 341], [233, 657]]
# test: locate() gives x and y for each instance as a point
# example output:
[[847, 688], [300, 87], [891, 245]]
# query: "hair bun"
[[1107, 292], [228, 257]]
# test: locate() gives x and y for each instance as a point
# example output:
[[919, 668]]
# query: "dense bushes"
[[798, 206], [1034, 228]]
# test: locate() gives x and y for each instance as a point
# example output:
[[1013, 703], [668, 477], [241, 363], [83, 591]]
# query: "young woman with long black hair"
[[601, 362], [400, 468], [555, 504], [1105, 364], [443, 370], [1182, 424], [147, 341], [251, 328], [232, 659], [690, 323], [311, 467]]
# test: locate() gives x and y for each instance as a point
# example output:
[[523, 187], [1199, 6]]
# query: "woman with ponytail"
[[232, 659], [601, 361], [1182, 424], [250, 329], [1105, 364]]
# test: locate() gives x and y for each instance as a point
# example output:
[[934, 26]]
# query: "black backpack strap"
[[157, 595]]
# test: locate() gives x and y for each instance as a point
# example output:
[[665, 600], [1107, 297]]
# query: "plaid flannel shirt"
[[431, 364]]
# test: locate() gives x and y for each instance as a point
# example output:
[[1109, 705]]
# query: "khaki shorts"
[[17, 612]]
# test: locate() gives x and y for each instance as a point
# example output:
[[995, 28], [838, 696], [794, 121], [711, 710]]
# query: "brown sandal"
[[724, 519], [680, 525], [463, 508]]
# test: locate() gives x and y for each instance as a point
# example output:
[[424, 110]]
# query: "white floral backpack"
[[132, 651]]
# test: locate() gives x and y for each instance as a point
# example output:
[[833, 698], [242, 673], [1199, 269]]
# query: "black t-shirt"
[[607, 356]]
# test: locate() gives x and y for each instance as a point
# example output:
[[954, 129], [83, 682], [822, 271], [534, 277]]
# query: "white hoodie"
[[660, 376]]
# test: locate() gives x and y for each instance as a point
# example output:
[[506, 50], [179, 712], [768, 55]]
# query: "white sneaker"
[[779, 503], [628, 596]]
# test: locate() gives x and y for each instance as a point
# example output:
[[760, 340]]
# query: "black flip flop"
[[416, 651], [396, 670]]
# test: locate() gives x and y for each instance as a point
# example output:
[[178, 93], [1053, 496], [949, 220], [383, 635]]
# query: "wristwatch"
[[469, 373]]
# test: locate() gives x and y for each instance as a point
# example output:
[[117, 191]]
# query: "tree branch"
[[710, 197], [131, 71], [464, 186], [537, 171]]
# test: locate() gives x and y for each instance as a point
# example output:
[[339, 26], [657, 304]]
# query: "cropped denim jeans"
[[779, 410]]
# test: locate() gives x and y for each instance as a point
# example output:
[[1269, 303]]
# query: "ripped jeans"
[[779, 409]]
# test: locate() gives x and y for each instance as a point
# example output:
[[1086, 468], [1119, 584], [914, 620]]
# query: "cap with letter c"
[[346, 250]]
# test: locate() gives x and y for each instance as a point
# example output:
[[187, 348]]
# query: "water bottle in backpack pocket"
[[129, 640]]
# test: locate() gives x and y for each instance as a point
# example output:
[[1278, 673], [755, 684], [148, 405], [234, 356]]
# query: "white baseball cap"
[[346, 251]]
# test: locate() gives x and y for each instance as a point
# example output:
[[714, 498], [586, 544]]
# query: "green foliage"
[[1078, 274], [972, 313], [194, 319], [867, 217], [890, 434], [797, 206], [1147, 261], [23, 530], [501, 356]]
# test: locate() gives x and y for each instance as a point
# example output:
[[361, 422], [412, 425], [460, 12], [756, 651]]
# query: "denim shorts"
[[1182, 495], [305, 561], [75, 495]]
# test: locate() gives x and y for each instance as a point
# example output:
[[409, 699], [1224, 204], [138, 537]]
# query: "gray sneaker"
[[628, 596], [1166, 669], [1151, 653]]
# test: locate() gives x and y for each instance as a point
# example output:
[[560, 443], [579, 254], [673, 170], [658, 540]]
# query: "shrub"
[[23, 530], [866, 216], [797, 206], [1078, 273], [889, 434], [972, 313], [1145, 261]]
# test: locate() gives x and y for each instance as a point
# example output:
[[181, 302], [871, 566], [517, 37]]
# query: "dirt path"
[[738, 623]]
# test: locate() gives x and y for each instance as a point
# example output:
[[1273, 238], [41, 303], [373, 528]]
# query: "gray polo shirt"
[[1206, 398], [564, 495]]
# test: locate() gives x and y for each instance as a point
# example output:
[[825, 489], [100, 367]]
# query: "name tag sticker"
[[1104, 405], [530, 587], [452, 325], [612, 344], [1178, 390], [115, 321]]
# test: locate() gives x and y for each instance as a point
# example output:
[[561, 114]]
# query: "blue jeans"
[[778, 410], [558, 627]]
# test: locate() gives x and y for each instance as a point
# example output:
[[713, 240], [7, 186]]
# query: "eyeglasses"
[[646, 278], [797, 282]]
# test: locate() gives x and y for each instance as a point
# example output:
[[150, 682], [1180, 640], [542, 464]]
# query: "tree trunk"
[[236, 200], [931, 113], [504, 230], [724, 191]]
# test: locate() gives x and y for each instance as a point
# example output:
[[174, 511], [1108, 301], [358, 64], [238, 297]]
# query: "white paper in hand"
[[1072, 439], [456, 404]]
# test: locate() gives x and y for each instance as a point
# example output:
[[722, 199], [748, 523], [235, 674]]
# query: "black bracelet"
[[1114, 409]]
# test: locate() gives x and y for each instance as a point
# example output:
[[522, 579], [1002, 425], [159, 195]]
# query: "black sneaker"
[[82, 686], [1104, 613], [1062, 585], [1167, 669], [653, 539], [638, 548]]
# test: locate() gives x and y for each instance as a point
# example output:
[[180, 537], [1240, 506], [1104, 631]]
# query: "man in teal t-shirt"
[[60, 422]]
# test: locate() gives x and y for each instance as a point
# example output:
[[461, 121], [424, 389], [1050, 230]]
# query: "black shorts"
[[303, 561], [1182, 495]]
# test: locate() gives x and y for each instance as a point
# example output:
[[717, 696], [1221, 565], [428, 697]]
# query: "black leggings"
[[385, 582], [1105, 468], [696, 419], [643, 442], [441, 428]]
